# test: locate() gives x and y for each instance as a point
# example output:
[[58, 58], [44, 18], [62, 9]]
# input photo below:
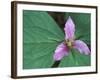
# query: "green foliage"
[[41, 35]]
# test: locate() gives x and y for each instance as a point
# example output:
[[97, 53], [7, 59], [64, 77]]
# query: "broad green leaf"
[[75, 59], [38, 55], [82, 24], [41, 36]]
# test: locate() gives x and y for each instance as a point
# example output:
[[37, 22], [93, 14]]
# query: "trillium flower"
[[64, 47]]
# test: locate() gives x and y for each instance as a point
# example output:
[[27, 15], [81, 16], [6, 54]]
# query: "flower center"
[[69, 43]]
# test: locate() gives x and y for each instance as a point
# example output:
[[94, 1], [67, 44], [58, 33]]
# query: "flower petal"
[[60, 51], [81, 47], [69, 29]]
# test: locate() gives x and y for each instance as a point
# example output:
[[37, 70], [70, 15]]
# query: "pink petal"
[[81, 47], [69, 29], [60, 51]]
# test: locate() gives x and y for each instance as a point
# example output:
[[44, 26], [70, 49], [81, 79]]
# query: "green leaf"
[[41, 35], [75, 59], [82, 24]]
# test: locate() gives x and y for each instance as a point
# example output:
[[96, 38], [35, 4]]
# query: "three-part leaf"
[[41, 36]]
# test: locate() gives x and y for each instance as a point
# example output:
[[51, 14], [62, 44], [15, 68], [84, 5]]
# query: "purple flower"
[[70, 42]]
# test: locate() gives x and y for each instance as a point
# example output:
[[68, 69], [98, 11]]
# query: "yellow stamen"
[[69, 43]]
